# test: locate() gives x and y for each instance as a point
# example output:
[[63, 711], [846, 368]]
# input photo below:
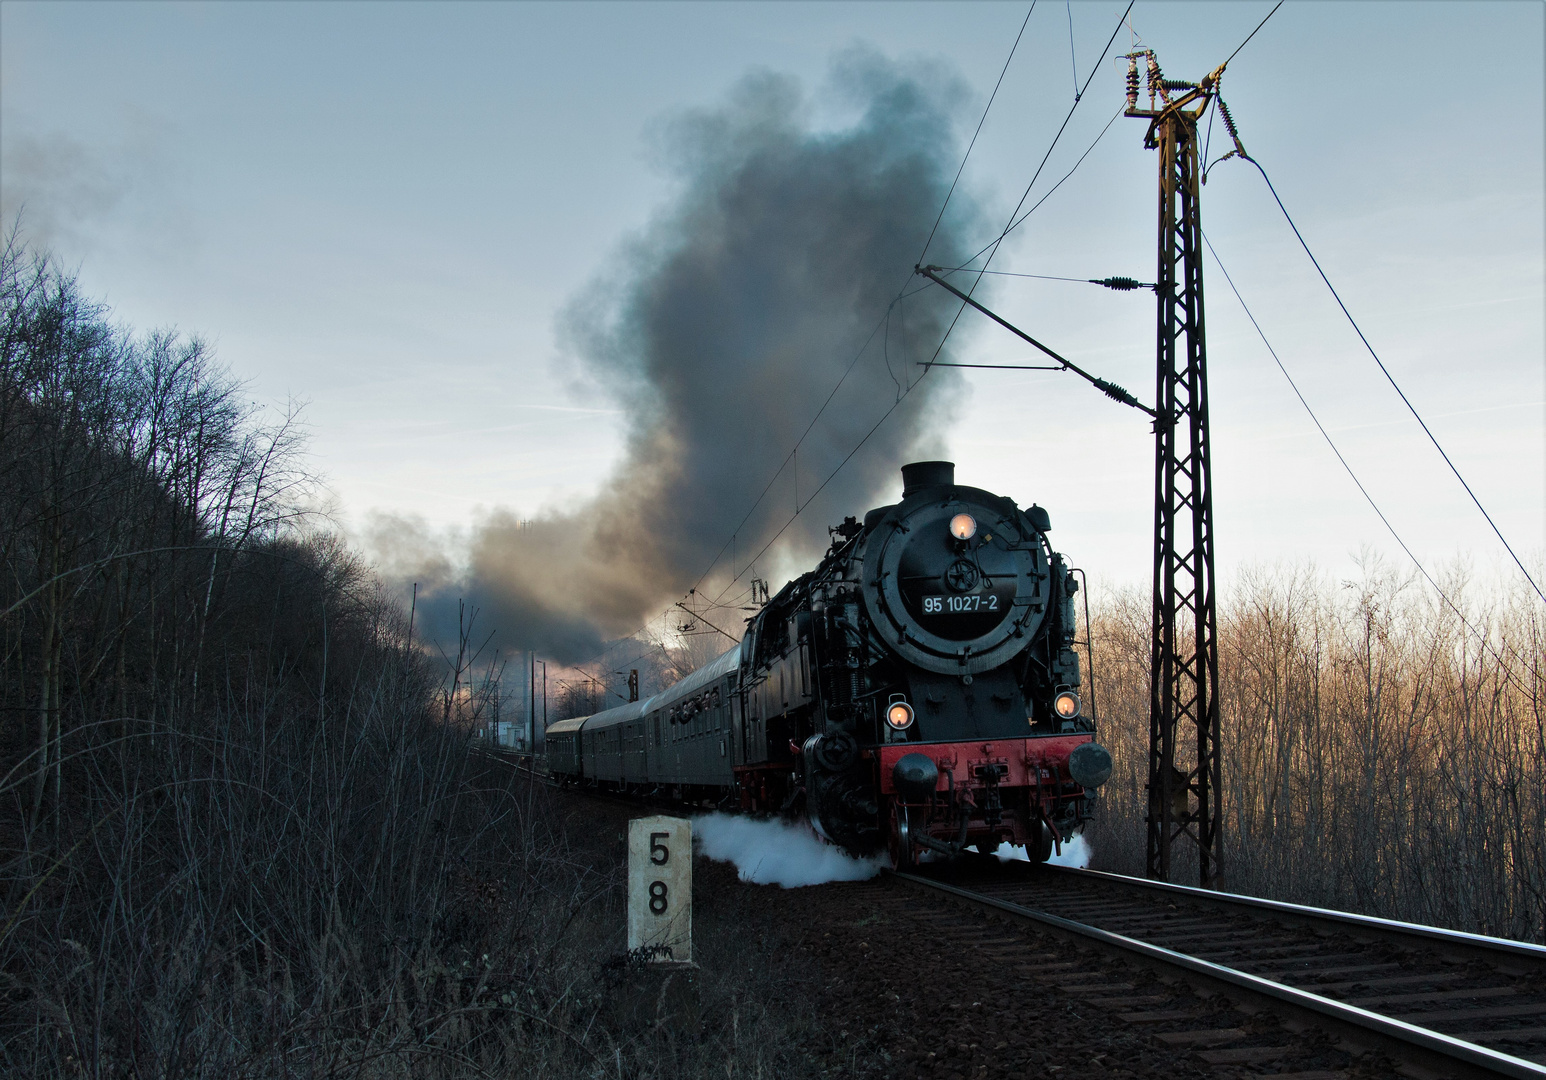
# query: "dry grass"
[[242, 831]]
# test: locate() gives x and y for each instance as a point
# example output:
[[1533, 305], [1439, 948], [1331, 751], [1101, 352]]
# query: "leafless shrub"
[[242, 829], [1379, 755]]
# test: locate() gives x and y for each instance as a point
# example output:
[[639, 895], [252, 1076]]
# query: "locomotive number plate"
[[951, 605]]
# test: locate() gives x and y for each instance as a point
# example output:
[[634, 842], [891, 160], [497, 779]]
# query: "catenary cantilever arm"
[[1110, 389]]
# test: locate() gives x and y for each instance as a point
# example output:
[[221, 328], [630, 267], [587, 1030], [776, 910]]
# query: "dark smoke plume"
[[736, 314]]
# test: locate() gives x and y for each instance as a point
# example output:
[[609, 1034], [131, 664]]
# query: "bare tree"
[[1381, 754]]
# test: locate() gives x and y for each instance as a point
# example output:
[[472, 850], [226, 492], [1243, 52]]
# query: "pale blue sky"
[[383, 209]]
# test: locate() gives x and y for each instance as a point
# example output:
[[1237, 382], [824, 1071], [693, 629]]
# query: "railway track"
[[1248, 986], [1433, 1002]]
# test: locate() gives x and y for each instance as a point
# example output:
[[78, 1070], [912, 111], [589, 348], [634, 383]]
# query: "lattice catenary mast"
[[1184, 674]]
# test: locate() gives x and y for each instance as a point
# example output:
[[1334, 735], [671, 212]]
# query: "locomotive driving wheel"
[[901, 841], [1039, 845]]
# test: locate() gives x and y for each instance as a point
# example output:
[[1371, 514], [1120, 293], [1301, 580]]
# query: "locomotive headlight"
[[963, 526], [900, 715], [1066, 705]]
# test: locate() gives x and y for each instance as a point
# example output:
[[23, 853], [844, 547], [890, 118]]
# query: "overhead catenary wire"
[[1014, 220], [1073, 61], [1111, 390], [1252, 34], [1381, 364], [1123, 284], [884, 318], [902, 292], [1352, 475], [790, 456], [1004, 367], [951, 328], [1017, 222], [820, 487], [992, 247], [1064, 125], [1239, 151], [981, 120]]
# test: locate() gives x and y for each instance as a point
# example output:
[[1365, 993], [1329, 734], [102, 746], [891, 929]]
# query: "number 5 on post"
[[660, 888]]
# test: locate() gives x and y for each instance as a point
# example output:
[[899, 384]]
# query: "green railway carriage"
[[688, 735]]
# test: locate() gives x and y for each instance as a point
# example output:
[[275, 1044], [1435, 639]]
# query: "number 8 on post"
[[660, 888]]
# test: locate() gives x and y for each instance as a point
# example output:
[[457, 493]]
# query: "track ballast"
[[1438, 1001]]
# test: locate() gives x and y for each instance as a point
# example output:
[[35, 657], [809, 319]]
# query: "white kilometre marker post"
[[660, 887]]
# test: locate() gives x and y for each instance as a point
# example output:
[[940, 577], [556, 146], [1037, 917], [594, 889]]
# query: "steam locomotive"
[[917, 691]]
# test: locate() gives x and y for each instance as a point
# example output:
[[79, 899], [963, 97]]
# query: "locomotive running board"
[[1359, 1025]]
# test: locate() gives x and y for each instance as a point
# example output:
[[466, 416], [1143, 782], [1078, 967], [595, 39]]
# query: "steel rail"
[[1481, 945], [1386, 1032]]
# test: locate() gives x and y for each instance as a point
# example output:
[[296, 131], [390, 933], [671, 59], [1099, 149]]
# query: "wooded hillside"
[[240, 829]]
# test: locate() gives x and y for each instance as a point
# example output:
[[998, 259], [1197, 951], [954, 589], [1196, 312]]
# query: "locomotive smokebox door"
[[660, 888]]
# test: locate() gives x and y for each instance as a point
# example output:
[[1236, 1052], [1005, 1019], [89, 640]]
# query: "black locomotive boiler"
[[917, 691]]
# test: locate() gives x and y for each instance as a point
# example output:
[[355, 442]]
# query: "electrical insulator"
[[1156, 81], [1229, 121], [1115, 392], [1122, 284]]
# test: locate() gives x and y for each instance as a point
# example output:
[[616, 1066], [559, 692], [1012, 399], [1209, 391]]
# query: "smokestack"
[[927, 474]]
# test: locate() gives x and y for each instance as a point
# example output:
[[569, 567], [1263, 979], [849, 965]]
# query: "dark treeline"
[[241, 830], [140, 502]]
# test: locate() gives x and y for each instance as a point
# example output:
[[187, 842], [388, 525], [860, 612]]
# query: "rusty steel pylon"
[[1184, 767]]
